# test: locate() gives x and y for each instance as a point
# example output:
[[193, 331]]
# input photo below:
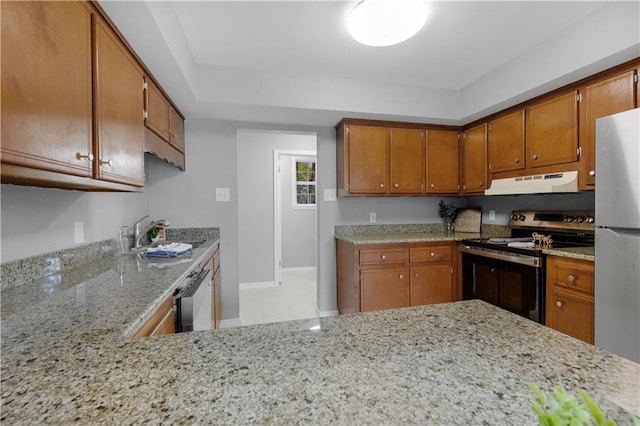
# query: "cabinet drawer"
[[573, 277], [429, 254], [381, 256]]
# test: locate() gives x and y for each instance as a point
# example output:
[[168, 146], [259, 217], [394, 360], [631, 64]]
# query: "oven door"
[[516, 287]]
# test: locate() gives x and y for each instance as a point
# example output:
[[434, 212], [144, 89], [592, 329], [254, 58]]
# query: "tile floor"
[[295, 298]]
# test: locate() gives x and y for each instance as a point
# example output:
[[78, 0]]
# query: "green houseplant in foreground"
[[561, 408]]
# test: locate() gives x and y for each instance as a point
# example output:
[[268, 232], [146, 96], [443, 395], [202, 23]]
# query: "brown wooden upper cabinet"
[[366, 153], [552, 130], [119, 104], [72, 117], [162, 118], [46, 92], [612, 95], [505, 142], [474, 159], [443, 162], [406, 160]]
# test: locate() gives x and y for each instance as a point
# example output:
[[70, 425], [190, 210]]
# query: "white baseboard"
[[254, 285], [228, 323], [300, 269], [327, 313]]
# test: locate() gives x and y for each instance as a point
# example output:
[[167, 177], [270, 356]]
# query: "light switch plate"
[[492, 215], [78, 232], [223, 194], [330, 194]]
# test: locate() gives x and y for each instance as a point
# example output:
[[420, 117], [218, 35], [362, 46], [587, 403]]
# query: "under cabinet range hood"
[[535, 184]]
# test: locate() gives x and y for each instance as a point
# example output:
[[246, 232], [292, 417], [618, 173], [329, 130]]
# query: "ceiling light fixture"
[[386, 22]]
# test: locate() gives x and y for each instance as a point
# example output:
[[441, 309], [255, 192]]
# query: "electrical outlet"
[[78, 232], [330, 194], [492, 215], [372, 217], [223, 194]]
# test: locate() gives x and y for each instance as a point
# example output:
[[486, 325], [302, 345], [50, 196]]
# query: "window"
[[305, 183]]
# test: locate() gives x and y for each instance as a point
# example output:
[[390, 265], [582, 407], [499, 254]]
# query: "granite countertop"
[[582, 253], [68, 359], [423, 233]]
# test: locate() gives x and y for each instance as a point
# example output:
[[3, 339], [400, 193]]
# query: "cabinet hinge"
[[145, 115], [144, 85], [579, 151], [347, 130], [458, 136], [458, 187], [452, 270], [579, 97], [489, 166]]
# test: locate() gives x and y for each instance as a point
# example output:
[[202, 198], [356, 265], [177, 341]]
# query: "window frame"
[[294, 161]]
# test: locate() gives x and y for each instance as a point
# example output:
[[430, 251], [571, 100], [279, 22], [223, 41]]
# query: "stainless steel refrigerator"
[[617, 287]]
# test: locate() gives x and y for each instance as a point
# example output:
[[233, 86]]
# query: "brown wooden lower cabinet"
[[161, 322], [570, 297], [372, 277]]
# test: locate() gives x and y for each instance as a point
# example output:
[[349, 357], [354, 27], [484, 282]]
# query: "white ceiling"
[[294, 61]]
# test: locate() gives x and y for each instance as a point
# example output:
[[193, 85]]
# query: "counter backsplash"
[[23, 271]]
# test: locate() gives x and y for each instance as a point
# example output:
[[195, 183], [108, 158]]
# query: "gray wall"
[[298, 228], [187, 199], [255, 197], [40, 220]]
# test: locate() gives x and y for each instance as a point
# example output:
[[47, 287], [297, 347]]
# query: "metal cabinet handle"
[[108, 162], [89, 156], [432, 185], [395, 185], [382, 185], [535, 157], [592, 172], [517, 160], [571, 278], [383, 257], [415, 275], [432, 254], [401, 276], [481, 184], [559, 304]]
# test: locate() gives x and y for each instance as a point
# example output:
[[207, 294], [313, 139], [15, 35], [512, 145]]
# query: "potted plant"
[[448, 214], [153, 234]]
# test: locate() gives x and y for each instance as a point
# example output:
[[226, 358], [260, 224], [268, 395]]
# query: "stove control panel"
[[570, 220]]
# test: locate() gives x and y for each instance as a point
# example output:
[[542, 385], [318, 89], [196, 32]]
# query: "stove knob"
[[521, 217], [514, 216], [590, 219], [580, 219], [569, 219]]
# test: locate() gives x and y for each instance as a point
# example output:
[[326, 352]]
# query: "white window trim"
[[294, 201]]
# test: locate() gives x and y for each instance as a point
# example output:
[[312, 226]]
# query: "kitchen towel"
[[169, 250]]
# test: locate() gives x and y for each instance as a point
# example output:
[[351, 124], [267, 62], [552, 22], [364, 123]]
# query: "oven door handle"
[[521, 259]]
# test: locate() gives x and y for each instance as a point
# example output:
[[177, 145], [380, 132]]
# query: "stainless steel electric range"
[[510, 272]]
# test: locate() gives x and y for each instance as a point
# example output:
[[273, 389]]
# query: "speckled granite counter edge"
[[23, 271], [581, 253], [411, 228]]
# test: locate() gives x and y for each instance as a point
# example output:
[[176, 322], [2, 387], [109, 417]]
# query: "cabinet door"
[[552, 131], [177, 131], [46, 86], [474, 148], [119, 110], [406, 160], [611, 96], [431, 284], [505, 143], [367, 160], [572, 315], [383, 289], [443, 170], [158, 110], [486, 282]]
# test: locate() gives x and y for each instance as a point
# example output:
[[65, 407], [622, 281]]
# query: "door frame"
[[277, 206]]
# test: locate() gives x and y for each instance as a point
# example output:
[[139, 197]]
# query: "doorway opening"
[[286, 212]]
